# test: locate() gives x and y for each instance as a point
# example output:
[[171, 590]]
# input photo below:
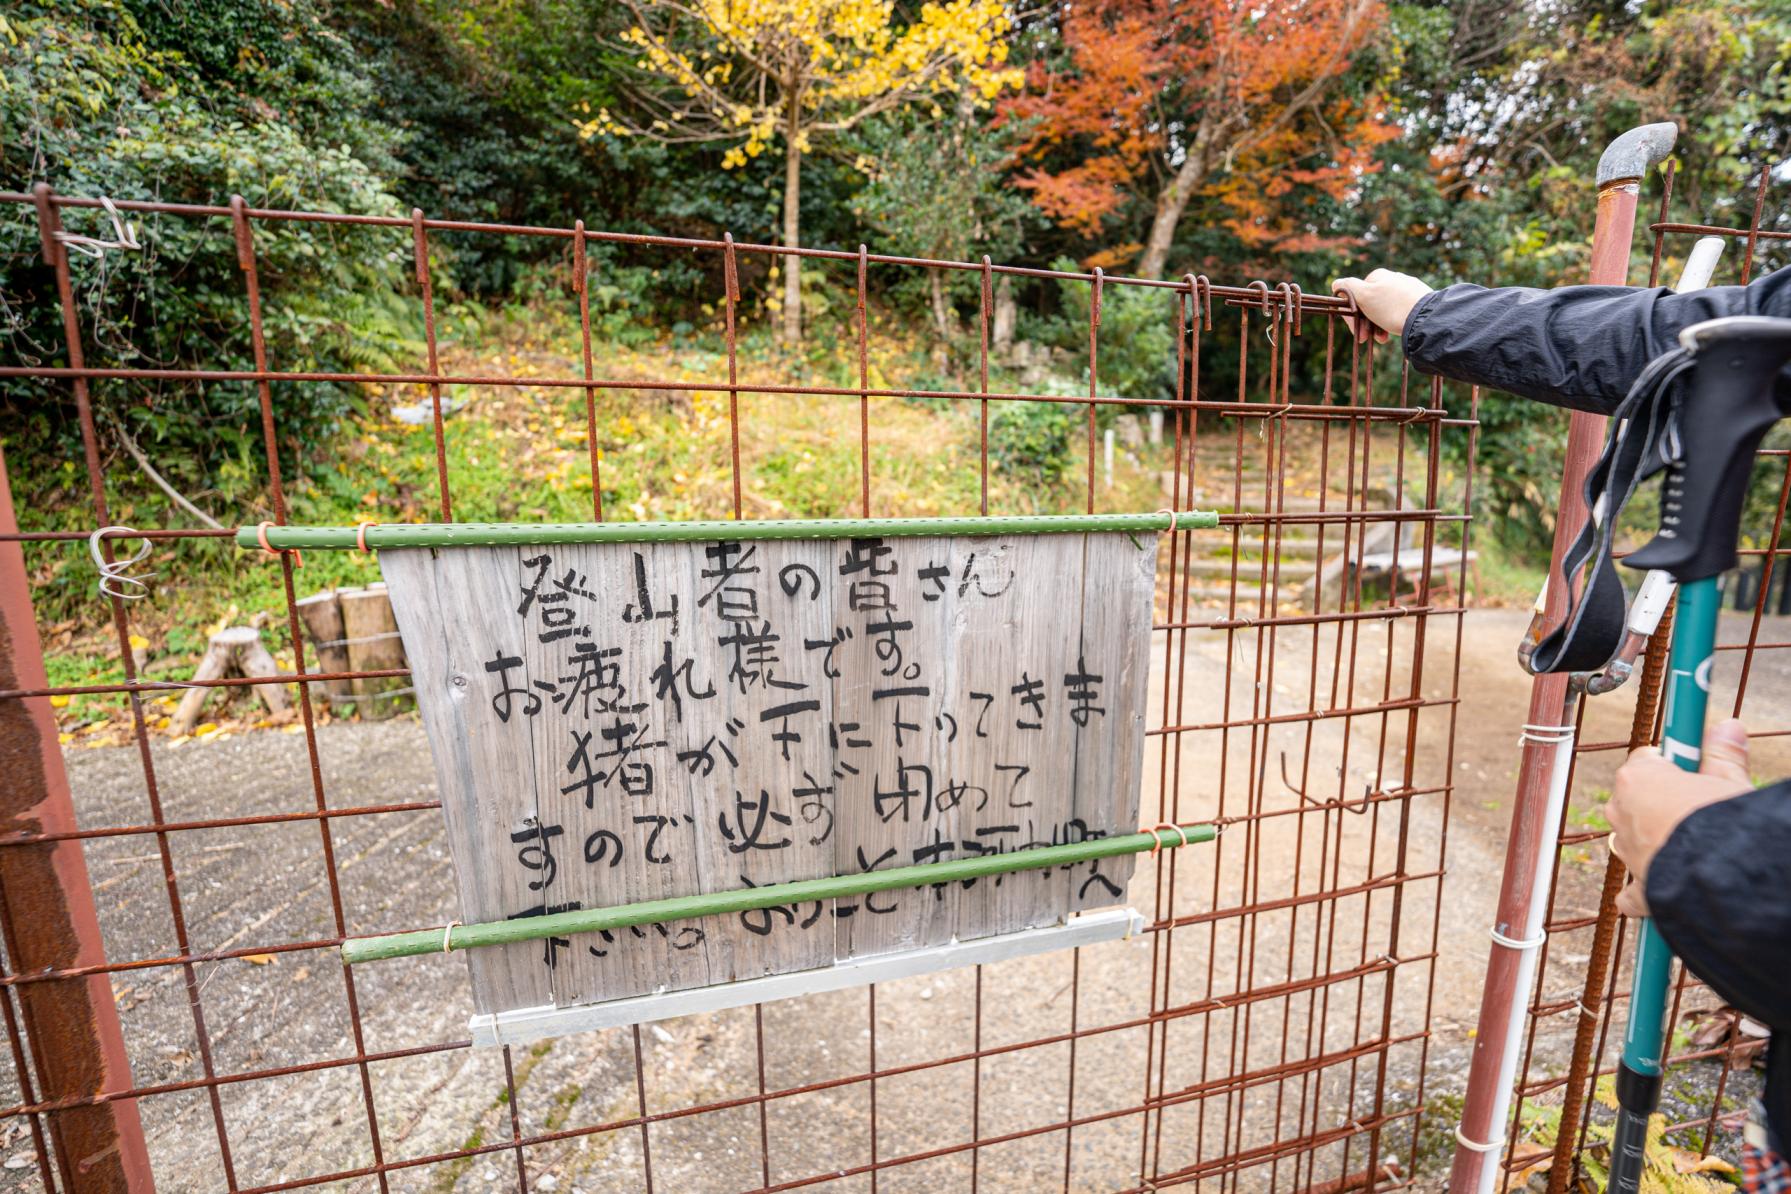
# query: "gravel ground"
[[268, 884]]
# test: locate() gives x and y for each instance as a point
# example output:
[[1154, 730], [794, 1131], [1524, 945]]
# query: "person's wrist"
[[1405, 299]]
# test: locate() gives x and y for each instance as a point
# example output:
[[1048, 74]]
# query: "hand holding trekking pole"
[[1652, 795]]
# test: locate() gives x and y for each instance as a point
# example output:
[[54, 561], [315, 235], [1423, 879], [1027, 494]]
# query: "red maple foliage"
[[1163, 100]]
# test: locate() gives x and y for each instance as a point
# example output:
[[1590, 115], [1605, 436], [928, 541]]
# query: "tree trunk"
[[792, 266], [1170, 206], [945, 319], [1006, 313]]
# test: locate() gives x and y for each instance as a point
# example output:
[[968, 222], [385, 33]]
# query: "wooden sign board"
[[614, 722]]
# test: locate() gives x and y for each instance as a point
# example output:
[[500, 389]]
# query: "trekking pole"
[[1650, 604], [1699, 413], [1736, 362], [1656, 591], [1481, 1133], [1546, 750]]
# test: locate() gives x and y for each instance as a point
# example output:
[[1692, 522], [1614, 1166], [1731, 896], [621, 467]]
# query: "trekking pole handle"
[[1729, 407]]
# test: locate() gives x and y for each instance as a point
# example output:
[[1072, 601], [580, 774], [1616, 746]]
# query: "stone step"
[[1218, 597], [1291, 572], [1253, 499], [1292, 546]]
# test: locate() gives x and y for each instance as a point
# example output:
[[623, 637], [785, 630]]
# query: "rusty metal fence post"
[[1624, 164], [72, 1023]]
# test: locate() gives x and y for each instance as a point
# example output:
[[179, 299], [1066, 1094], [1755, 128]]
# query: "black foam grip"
[[1727, 411]]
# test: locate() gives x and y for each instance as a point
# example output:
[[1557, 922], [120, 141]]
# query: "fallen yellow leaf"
[[1685, 1162], [258, 959]]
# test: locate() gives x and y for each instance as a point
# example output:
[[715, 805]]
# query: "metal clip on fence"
[[93, 246], [112, 573]]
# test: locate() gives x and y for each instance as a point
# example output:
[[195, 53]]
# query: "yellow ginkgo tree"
[[763, 73]]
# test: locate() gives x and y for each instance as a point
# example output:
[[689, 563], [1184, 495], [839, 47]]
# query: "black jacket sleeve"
[[1576, 346], [1720, 893]]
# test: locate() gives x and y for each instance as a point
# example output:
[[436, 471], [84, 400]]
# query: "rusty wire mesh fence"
[[1270, 1029], [1577, 1012]]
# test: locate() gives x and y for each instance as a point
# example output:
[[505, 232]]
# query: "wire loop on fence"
[[1162, 827], [1478, 1146], [113, 572], [94, 246], [1517, 943]]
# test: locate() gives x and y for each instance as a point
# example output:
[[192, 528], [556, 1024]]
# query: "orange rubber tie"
[[298, 560]]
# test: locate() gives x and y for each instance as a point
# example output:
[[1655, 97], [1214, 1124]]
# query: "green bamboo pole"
[[500, 534], [720, 903]]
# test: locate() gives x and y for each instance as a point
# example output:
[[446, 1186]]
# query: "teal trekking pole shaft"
[[1645, 1036]]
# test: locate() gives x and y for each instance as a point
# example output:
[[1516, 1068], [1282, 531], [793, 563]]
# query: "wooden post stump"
[[237, 651], [370, 634], [322, 615]]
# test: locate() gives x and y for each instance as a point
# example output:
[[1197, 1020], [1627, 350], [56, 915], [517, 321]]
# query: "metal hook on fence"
[[1287, 310], [114, 572], [1204, 285], [1290, 785], [1188, 316], [1295, 298], [1262, 300], [1358, 807], [94, 246]]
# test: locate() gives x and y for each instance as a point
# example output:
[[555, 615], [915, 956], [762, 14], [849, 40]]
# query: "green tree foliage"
[[936, 188], [98, 99]]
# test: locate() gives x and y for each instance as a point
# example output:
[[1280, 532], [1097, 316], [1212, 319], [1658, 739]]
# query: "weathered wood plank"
[[1112, 672], [1015, 746], [456, 619], [617, 722], [764, 814], [613, 796], [896, 672]]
